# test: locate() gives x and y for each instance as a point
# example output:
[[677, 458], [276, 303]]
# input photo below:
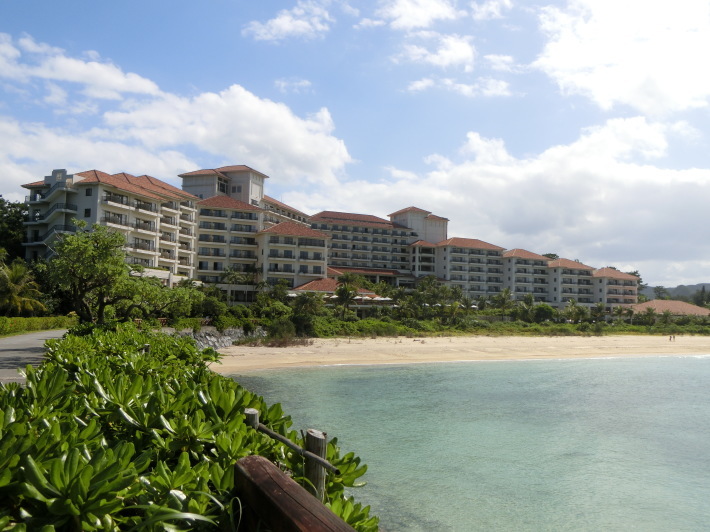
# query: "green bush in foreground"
[[122, 430]]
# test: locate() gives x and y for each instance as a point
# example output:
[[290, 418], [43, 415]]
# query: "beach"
[[402, 350]]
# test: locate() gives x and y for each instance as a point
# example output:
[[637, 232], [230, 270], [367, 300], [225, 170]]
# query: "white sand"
[[374, 351]]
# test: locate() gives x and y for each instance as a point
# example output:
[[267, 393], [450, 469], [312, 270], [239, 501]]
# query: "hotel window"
[[87, 212], [89, 191]]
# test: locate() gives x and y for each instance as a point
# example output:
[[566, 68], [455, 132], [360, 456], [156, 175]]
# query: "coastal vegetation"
[[89, 280], [124, 429]]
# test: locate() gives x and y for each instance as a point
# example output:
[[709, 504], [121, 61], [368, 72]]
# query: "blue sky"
[[579, 128]]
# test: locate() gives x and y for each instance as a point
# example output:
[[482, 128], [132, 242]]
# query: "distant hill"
[[682, 290]]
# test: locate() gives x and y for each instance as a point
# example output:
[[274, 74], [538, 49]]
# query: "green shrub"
[[45, 323], [129, 429], [281, 329]]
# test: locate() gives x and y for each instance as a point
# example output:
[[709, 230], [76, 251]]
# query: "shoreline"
[[454, 349]]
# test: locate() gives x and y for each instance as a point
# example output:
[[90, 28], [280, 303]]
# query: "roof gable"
[[566, 263], [294, 229], [471, 243], [524, 254], [227, 202]]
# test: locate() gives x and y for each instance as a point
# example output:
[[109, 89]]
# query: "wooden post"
[[267, 494], [316, 443], [252, 415]]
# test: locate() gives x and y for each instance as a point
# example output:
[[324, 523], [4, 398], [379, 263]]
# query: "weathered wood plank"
[[282, 504], [316, 443]]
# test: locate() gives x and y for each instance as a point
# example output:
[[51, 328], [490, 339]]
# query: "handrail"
[[273, 498]]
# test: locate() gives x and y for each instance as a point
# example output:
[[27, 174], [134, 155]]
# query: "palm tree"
[[19, 293], [630, 314], [482, 302], [649, 316], [345, 297], [504, 301], [526, 308], [306, 307], [618, 311], [598, 311], [575, 312], [351, 280], [233, 276]]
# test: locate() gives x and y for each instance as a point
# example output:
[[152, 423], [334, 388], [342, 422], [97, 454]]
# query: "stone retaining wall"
[[211, 337]]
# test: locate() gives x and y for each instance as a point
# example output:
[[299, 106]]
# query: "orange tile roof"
[[438, 218], [337, 271], [227, 202], [409, 209], [347, 218], [240, 168], [121, 181], [677, 308], [524, 254], [294, 229], [269, 199], [35, 184], [163, 188], [468, 243], [328, 285], [566, 263], [422, 243], [612, 273], [205, 171], [221, 171]]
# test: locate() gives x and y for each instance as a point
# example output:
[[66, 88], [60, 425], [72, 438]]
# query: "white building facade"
[[221, 224]]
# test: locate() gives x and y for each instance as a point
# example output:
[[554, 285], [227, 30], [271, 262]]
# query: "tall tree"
[[660, 292], [89, 266], [12, 217], [641, 286]]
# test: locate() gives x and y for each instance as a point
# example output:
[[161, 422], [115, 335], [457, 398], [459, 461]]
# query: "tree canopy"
[[12, 217]]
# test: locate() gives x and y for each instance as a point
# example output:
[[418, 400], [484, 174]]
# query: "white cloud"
[[500, 63], [413, 14], [485, 150], [152, 134], [40, 61], [483, 87], [421, 85], [237, 125], [449, 51], [596, 199], [369, 23], [308, 19], [634, 53], [30, 151], [55, 95], [490, 9], [293, 85]]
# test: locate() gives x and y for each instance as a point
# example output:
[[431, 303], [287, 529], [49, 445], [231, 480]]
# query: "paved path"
[[18, 351]]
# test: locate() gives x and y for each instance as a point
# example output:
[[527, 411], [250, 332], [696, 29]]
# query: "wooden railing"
[[269, 497]]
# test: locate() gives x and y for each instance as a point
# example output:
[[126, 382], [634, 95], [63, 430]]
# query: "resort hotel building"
[[221, 228]]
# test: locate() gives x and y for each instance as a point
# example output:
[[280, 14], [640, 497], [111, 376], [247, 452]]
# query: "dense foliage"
[[23, 325], [12, 217], [123, 430]]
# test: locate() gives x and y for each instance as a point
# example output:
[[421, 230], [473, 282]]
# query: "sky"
[[579, 128]]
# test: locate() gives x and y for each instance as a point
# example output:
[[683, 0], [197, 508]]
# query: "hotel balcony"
[[118, 220], [116, 200], [57, 208], [144, 226], [146, 207]]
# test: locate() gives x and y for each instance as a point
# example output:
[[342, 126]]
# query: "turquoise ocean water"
[[599, 444]]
